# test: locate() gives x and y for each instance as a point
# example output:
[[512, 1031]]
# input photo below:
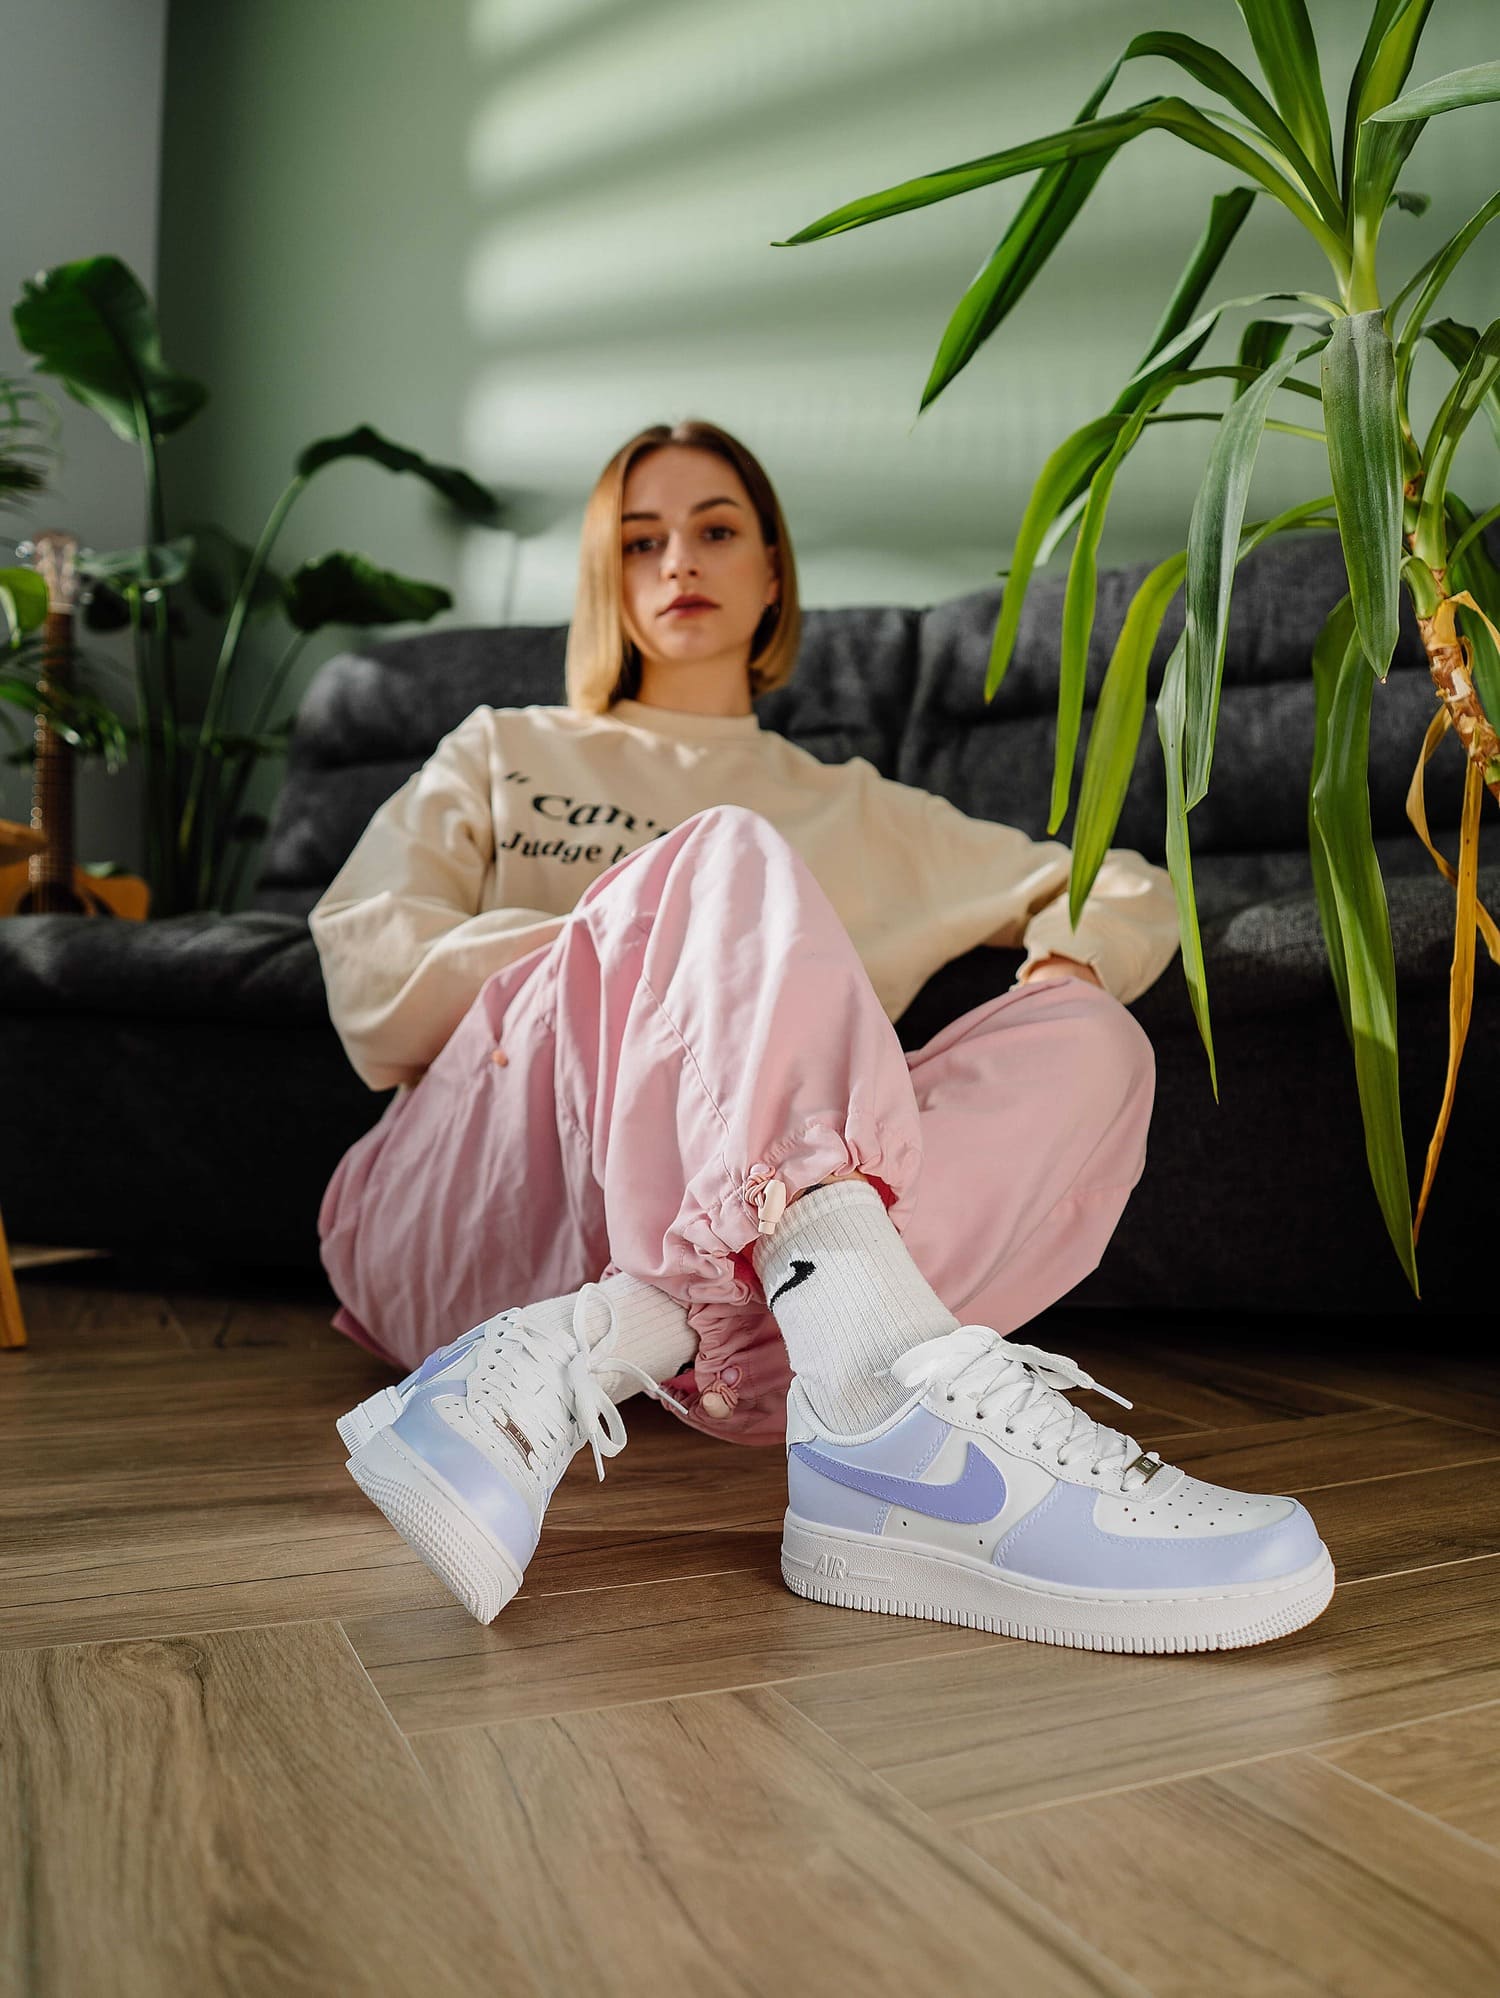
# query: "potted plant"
[[1391, 498], [91, 324]]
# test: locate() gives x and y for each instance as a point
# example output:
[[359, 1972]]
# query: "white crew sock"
[[848, 1300], [653, 1329]]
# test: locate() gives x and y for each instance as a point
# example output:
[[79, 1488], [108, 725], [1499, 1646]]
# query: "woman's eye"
[[646, 540]]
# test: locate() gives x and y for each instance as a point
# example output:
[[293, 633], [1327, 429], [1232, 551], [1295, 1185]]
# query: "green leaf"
[[23, 601], [1474, 384], [347, 589], [1226, 214], [1213, 537], [1362, 934], [1431, 278], [156, 566], [1084, 448], [1299, 141], [1261, 342], [1328, 651], [1039, 225], [1170, 723], [1379, 73], [1079, 600], [1170, 114], [1116, 729], [1120, 714], [217, 569], [472, 500], [1364, 455], [1287, 52], [91, 324], [1457, 343], [1204, 325], [1035, 230], [1479, 84]]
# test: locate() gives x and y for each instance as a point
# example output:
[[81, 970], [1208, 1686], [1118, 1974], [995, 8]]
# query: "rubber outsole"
[[435, 1525], [864, 1572]]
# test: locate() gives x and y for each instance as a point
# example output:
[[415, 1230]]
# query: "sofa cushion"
[[255, 968], [994, 759]]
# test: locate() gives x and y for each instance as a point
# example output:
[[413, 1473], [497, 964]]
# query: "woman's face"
[[688, 528]]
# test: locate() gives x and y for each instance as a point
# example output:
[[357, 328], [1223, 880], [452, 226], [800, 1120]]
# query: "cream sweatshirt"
[[481, 855]]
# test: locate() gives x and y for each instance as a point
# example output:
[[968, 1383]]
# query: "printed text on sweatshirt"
[[482, 854]]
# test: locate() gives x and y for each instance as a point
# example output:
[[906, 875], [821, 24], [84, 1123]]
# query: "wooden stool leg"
[[12, 1324]]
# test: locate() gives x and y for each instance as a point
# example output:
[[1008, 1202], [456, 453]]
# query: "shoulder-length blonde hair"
[[604, 659]]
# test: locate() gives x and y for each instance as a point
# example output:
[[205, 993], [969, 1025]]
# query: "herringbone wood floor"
[[249, 1744]]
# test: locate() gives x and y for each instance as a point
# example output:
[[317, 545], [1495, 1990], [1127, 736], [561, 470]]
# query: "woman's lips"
[[688, 610]]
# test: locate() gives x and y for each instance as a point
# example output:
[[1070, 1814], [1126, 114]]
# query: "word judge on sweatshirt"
[[482, 854]]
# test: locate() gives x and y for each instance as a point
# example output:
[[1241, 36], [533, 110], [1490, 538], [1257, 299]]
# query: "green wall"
[[510, 232]]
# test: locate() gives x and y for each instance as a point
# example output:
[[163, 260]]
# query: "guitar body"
[[124, 895]]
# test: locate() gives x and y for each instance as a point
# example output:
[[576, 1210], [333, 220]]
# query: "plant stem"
[[228, 649], [166, 775], [250, 756]]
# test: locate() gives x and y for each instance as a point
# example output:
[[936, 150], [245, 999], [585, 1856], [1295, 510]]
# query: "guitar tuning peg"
[[25, 550]]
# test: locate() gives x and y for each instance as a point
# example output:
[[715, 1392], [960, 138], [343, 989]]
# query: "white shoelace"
[[973, 1361], [550, 1377]]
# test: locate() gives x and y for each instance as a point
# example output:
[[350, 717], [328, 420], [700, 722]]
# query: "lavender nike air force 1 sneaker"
[[990, 1500], [465, 1463]]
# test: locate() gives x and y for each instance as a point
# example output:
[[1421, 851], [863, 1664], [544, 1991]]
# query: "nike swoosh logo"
[[978, 1493], [800, 1273]]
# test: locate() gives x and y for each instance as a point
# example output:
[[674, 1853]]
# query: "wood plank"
[[1205, 1384], [1449, 1768], [1388, 1524], [732, 1849], [1015, 1724], [200, 1582], [228, 1812], [1307, 1454], [1278, 1876], [1421, 1364], [555, 1654]]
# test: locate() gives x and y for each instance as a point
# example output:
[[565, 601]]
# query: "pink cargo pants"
[[699, 1043]]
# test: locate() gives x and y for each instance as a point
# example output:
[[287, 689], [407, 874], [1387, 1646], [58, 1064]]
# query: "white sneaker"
[[988, 1499], [465, 1466]]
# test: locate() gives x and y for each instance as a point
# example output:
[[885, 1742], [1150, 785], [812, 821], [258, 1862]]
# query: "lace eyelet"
[[1010, 1429], [947, 1397]]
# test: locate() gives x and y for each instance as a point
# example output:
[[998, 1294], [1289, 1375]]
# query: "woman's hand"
[[1054, 963]]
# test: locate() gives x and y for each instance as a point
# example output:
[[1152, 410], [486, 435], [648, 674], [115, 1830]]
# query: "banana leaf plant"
[[1389, 493], [92, 325], [29, 449]]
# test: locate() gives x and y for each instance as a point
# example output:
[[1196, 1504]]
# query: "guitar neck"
[[50, 871]]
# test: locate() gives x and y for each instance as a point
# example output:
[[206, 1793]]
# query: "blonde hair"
[[603, 659]]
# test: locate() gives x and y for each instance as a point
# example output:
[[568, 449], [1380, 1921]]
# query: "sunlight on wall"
[[634, 166]]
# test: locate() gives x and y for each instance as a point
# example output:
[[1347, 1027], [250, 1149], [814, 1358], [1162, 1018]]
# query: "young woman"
[[632, 964]]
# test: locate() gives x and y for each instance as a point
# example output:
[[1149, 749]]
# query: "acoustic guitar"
[[47, 881]]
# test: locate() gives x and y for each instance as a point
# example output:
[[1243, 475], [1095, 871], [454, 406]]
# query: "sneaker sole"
[[377, 1411], [434, 1524], [866, 1572]]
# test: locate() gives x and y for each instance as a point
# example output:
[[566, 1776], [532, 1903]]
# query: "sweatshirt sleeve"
[[1127, 927], [402, 939]]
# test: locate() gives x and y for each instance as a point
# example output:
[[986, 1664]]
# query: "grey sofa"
[[174, 1090]]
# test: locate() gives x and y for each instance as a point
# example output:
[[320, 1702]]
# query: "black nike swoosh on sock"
[[801, 1272]]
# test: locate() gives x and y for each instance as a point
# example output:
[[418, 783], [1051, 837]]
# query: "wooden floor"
[[248, 1743]]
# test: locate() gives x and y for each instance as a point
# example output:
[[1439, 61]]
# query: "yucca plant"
[[1390, 499], [91, 324]]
